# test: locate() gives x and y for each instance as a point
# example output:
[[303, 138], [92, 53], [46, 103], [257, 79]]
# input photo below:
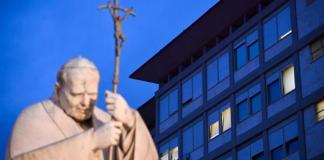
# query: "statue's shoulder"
[[35, 108]]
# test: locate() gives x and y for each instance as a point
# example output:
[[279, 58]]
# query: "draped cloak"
[[44, 132]]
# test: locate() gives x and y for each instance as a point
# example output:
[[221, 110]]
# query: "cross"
[[118, 35]]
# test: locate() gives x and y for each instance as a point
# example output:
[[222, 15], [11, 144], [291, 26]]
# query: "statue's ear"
[[57, 88]]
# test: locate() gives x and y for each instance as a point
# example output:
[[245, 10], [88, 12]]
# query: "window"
[[276, 89], [247, 49], [320, 110], [248, 107], [317, 48], [292, 146], [277, 27], [193, 139], [277, 153], [168, 105], [259, 156], [288, 79], [218, 124], [217, 70], [284, 141], [169, 150], [226, 119], [192, 88]]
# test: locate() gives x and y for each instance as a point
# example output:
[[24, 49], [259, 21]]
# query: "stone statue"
[[69, 126]]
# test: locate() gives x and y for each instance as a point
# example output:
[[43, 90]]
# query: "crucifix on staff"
[[118, 35]]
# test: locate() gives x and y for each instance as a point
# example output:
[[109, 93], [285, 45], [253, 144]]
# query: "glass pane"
[[292, 146], [320, 111], [223, 66], [288, 80], [284, 27], [274, 92], [241, 56], [277, 153], [243, 110], [173, 101], [259, 156], [187, 141], [187, 91], [214, 130], [270, 33], [226, 119], [212, 74], [164, 110], [197, 85], [174, 153], [256, 103], [165, 156], [253, 50], [198, 135]]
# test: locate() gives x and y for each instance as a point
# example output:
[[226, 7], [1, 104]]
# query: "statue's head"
[[76, 88]]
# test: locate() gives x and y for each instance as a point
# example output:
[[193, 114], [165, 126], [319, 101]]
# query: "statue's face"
[[79, 93]]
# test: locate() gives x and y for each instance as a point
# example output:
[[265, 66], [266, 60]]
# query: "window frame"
[[219, 121], [191, 79], [249, 105], [216, 60], [281, 84], [167, 95], [275, 16], [191, 128]]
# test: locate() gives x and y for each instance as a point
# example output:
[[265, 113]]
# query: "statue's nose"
[[85, 100]]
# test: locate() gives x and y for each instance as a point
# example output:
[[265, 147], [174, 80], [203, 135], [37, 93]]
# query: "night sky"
[[38, 36]]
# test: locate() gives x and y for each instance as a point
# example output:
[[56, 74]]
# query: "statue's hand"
[[119, 109], [106, 135]]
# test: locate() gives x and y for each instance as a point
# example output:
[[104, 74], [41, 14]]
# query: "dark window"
[[317, 48], [217, 70], [274, 91], [292, 146], [168, 105], [248, 107], [247, 49], [277, 153], [241, 56], [243, 110], [259, 156], [192, 88], [277, 27], [256, 103], [193, 138], [253, 50]]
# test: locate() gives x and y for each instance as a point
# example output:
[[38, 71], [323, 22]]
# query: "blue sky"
[[37, 37]]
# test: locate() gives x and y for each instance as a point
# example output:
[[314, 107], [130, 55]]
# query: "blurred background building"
[[244, 81]]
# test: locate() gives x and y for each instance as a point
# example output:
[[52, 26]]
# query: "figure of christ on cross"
[[118, 35]]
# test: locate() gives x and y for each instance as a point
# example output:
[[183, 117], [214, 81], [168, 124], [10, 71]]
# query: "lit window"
[[320, 110], [174, 153], [214, 130], [288, 80], [226, 119], [165, 156], [317, 48], [277, 27], [219, 122], [277, 89]]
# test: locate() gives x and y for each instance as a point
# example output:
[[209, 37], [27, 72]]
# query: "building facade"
[[245, 81]]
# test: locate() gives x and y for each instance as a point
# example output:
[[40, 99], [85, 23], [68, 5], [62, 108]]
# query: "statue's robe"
[[43, 131]]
